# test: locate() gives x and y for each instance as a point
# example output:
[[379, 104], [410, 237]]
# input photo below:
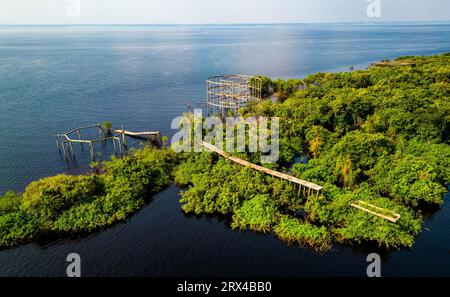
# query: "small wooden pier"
[[141, 135], [305, 187]]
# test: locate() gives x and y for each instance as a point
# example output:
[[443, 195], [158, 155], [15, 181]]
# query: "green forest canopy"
[[380, 135]]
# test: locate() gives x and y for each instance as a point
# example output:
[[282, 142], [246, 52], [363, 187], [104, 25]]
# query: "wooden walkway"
[[304, 185], [377, 211]]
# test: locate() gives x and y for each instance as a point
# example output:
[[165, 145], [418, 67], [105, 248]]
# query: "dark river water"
[[53, 79]]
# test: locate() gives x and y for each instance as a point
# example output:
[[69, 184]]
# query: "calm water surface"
[[53, 79]]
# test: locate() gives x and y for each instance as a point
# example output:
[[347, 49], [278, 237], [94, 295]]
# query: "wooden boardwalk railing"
[[307, 186], [66, 139]]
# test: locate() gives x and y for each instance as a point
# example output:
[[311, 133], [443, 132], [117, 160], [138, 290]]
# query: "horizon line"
[[215, 24]]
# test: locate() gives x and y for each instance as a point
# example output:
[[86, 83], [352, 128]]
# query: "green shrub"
[[16, 227], [294, 231], [10, 202], [258, 214], [47, 198], [107, 125], [409, 179]]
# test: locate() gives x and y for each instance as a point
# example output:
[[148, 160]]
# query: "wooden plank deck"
[[136, 134], [284, 176], [364, 206]]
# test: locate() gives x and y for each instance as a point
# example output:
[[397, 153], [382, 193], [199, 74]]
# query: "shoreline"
[[305, 233]]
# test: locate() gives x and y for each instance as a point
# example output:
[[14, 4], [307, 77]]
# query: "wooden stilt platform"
[[64, 140]]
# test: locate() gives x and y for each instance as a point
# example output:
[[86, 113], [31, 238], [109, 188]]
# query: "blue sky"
[[216, 11]]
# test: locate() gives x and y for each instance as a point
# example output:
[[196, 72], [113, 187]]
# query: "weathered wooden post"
[[79, 137], [114, 143], [64, 149], [71, 149], [124, 138], [91, 149], [57, 144], [120, 145]]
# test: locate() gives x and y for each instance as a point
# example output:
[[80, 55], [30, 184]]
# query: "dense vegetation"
[[379, 135], [65, 204]]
